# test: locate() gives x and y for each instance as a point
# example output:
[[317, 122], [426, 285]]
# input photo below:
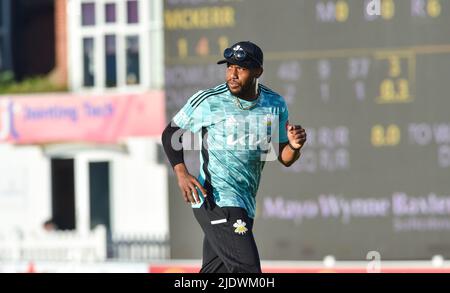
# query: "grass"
[[37, 84]]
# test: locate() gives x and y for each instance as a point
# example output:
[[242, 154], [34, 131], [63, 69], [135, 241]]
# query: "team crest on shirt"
[[240, 227], [268, 120]]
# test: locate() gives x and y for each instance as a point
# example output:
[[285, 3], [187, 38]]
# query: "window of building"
[[88, 62], [108, 44], [132, 59], [110, 12], [132, 11], [110, 61], [88, 14]]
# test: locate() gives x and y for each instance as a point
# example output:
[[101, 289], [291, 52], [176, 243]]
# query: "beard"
[[243, 90]]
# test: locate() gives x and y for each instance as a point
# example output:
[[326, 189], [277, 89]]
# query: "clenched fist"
[[296, 135]]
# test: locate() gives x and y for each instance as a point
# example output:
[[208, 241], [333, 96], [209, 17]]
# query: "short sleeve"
[[284, 118], [195, 113]]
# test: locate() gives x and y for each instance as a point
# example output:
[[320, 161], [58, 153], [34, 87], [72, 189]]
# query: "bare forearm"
[[288, 156]]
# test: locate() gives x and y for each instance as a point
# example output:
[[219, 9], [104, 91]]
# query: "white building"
[[114, 52]]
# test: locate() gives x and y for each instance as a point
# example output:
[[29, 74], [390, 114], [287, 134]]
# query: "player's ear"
[[258, 72]]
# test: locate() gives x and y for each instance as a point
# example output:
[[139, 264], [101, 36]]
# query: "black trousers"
[[228, 244]]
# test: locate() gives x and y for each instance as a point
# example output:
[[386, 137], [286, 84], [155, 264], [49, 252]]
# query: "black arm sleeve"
[[173, 152]]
